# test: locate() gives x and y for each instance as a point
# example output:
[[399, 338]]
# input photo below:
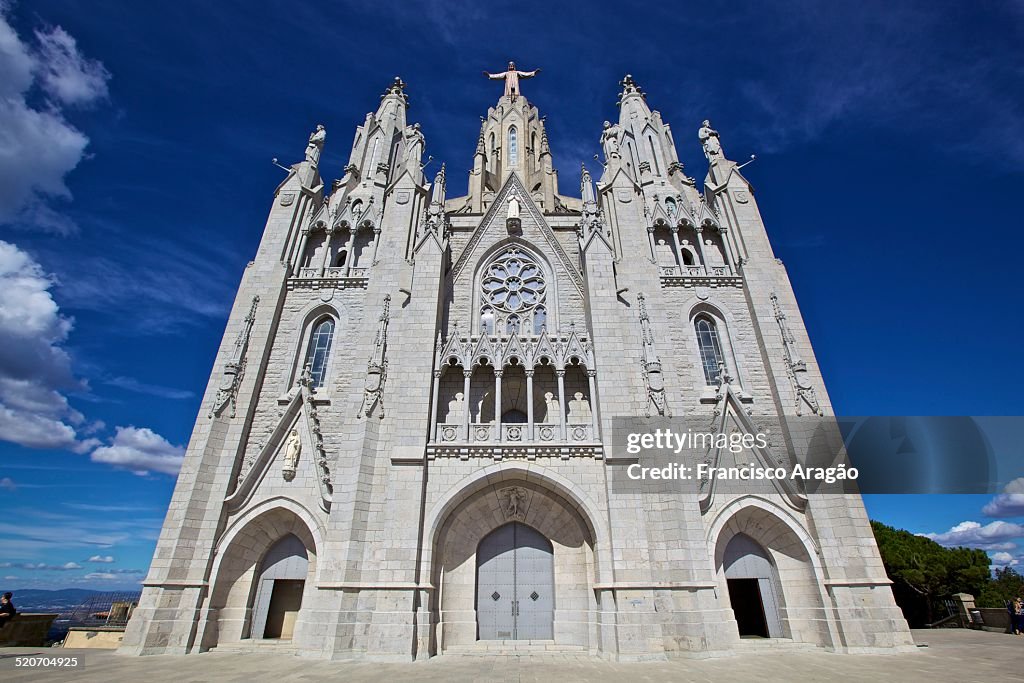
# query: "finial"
[[630, 87], [397, 87]]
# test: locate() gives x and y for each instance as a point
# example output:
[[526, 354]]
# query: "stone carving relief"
[[377, 367], [513, 500], [796, 368], [313, 424], [234, 368], [650, 365]]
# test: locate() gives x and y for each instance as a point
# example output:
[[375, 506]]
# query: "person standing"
[[7, 610]]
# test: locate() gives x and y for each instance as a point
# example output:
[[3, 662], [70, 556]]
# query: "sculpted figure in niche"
[[552, 408], [456, 406], [610, 138], [291, 454], [316, 144], [664, 253], [579, 408], [714, 254], [513, 207]]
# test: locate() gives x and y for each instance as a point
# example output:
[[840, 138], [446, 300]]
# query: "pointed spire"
[[437, 195], [587, 187]]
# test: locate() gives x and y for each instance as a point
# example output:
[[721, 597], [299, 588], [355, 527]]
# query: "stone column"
[[699, 230], [592, 379], [729, 259], [327, 250], [560, 372], [497, 401], [348, 250], [466, 374], [376, 241], [679, 250], [437, 409], [529, 404], [650, 244], [297, 261]]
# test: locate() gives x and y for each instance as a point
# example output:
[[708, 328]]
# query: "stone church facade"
[[403, 449]]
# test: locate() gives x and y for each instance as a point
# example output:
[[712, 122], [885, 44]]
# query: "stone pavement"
[[951, 655]]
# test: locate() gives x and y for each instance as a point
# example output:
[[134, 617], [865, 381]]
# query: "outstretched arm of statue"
[[529, 74], [495, 77]]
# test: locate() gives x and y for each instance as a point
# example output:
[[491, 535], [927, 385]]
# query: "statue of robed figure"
[[511, 77]]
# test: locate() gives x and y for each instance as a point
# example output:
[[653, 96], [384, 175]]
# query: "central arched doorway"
[[752, 580], [515, 585], [278, 598]]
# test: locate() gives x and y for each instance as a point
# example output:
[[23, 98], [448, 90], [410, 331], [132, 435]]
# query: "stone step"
[[497, 648], [281, 647], [771, 644]]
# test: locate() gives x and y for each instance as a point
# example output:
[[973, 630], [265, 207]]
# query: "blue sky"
[[135, 177]]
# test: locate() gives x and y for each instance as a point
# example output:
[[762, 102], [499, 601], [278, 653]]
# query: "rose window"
[[513, 283]]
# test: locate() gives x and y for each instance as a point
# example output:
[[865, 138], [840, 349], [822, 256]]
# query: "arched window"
[[512, 324], [533, 148], [710, 346], [340, 260], [320, 350], [540, 319], [513, 146], [492, 144], [486, 321]]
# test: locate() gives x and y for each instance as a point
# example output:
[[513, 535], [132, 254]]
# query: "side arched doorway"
[[278, 596], [752, 580], [515, 585]]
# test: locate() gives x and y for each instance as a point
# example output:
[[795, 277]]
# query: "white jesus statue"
[[511, 77]]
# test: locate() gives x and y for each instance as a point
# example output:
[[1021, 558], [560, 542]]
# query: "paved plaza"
[[950, 655]]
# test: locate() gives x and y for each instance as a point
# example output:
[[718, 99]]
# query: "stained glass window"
[[710, 348], [320, 350]]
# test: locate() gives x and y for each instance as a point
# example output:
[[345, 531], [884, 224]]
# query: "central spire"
[[511, 77]]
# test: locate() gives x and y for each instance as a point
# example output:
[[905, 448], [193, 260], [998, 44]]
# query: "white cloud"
[[64, 73], [7, 484], [992, 536], [1003, 559], [103, 576], [38, 147], [101, 559], [34, 368], [141, 450], [1009, 503]]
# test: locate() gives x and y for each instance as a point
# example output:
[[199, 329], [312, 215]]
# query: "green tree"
[[1006, 584], [924, 572]]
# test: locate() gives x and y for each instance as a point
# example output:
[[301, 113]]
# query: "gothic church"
[[404, 446]]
